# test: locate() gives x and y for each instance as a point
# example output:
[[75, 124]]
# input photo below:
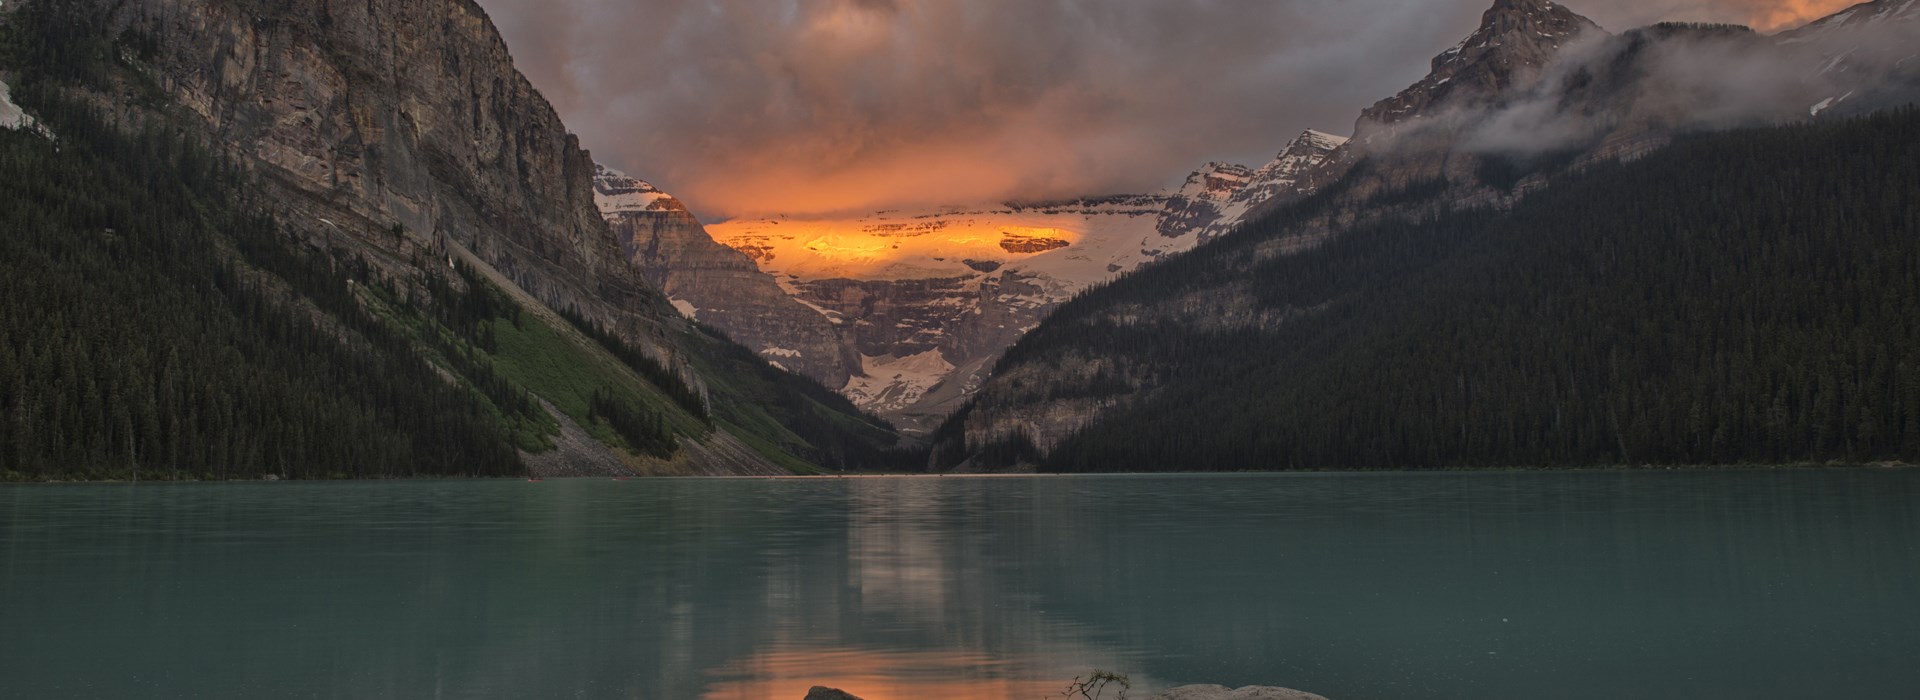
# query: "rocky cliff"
[[715, 284], [399, 128], [1515, 43], [401, 133], [1285, 178]]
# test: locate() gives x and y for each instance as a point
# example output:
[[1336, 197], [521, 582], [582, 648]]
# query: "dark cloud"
[[794, 106]]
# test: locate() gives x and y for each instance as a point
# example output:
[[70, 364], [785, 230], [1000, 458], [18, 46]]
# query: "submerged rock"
[[821, 692], [1221, 692]]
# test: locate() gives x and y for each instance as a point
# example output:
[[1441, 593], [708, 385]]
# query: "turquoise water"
[[1752, 585]]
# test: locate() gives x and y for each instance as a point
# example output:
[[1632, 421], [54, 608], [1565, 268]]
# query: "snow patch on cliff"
[[11, 116], [616, 192], [894, 383]]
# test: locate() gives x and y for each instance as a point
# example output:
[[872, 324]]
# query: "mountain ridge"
[[1430, 151]]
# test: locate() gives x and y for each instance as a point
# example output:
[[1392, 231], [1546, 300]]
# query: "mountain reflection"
[[907, 604]]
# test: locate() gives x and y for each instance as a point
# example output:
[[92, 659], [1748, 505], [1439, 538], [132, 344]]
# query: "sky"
[[747, 108]]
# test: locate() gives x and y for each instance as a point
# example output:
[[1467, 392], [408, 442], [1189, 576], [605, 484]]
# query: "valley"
[[919, 304]]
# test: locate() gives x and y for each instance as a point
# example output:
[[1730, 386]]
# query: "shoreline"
[[1620, 469]]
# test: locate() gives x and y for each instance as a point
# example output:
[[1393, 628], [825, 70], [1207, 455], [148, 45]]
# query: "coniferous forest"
[[155, 323], [1744, 297]]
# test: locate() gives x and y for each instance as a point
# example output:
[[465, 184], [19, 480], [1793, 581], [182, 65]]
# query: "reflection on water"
[[909, 584], [1686, 585], [878, 673]]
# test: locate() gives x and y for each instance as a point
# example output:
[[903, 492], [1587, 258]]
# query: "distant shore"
[[14, 478]]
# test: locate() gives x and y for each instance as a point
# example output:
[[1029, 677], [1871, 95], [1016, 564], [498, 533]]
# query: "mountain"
[[904, 311], [1282, 178], [1516, 41], [1743, 297], [1537, 89], [714, 284], [927, 300], [1865, 55], [924, 302], [1199, 202], [398, 141], [1534, 97]]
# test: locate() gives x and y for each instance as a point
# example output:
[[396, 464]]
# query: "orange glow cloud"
[[1774, 15], [747, 108]]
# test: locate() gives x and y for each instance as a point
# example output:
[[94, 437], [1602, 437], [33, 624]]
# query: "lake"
[[1726, 584]]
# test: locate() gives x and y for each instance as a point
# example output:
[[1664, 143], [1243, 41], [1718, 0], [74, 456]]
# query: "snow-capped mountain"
[[615, 192], [928, 299], [1215, 182], [1281, 179], [1201, 201], [1865, 57]]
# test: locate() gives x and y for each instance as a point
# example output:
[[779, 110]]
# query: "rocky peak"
[[1282, 179], [1515, 41], [616, 192], [1313, 141], [1308, 149], [1215, 182]]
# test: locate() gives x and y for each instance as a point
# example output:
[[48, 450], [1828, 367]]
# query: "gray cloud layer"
[[794, 106]]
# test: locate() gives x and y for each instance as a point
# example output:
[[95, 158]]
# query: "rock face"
[[399, 128], [1221, 692], [1283, 179], [1515, 42], [1197, 204], [715, 284]]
